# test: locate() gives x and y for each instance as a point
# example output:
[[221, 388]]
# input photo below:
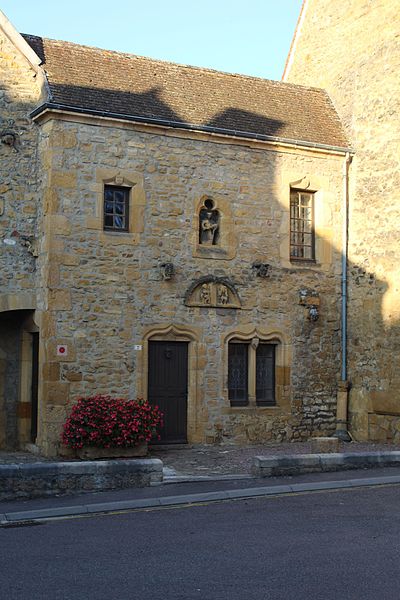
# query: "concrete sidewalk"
[[23, 474], [29, 511], [207, 460]]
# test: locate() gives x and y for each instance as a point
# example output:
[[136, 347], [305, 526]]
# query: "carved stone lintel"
[[303, 183], [214, 292]]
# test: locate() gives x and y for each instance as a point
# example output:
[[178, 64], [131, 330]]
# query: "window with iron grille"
[[116, 208], [251, 373], [302, 237], [238, 374], [265, 375]]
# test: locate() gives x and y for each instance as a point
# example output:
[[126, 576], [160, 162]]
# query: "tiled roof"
[[91, 79]]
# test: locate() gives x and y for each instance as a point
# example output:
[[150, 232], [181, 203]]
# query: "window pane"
[[109, 206], [119, 208], [119, 195], [301, 225], [265, 374], [237, 374], [108, 194], [119, 222], [108, 221], [116, 208]]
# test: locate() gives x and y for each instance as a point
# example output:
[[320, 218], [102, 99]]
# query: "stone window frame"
[[293, 257], [252, 349], [325, 195], [283, 353], [137, 202]]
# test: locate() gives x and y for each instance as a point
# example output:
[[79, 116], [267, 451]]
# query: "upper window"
[[302, 238], [251, 372], [116, 208]]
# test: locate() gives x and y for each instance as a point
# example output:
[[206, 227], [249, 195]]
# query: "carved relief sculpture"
[[222, 294], [212, 292], [205, 293], [8, 135], [209, 224]]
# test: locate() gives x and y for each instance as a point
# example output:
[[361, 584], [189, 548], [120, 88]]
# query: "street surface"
[[325, 545]]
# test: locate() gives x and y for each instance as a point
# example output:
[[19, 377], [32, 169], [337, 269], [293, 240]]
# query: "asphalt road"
[[327, 545]]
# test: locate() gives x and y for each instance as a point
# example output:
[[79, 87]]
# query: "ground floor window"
[[251, 372]]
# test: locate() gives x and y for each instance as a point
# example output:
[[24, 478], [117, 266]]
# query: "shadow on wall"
[[310, 353]]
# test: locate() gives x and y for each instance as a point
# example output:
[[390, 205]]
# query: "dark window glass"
[[237, 374], [116, 208], [302, 225], [265, 374]]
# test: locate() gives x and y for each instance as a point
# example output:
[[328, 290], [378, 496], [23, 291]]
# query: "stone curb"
[[44, 514], [49, 478], [267, 466]]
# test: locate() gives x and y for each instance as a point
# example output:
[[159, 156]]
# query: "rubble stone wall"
[[105, 292], [353, 50], [20, 92]]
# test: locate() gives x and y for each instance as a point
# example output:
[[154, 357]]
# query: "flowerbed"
[[106, 422]]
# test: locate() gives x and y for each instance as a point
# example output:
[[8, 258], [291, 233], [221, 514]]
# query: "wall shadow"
[[315, 345]]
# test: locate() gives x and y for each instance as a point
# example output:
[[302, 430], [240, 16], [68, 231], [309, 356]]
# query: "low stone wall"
[[315, 463], [33, 480]]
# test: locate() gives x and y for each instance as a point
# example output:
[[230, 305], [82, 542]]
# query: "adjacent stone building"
[[352, 49], [168, 232]]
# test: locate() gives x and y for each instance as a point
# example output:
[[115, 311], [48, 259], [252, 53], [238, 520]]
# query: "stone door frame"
[[178, 333]]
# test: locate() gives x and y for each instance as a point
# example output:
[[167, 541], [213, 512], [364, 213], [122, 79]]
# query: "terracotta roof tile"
[[93, 79]]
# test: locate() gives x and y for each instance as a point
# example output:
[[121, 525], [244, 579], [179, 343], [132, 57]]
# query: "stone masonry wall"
[[353, 50], [105, 291], [20, 92]]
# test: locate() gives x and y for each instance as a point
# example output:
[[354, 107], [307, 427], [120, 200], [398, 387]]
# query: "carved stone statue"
[[205, 293], [209, 224], [8, 135], [223, 295]]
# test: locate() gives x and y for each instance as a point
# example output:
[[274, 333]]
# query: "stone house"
[[168, 232], [361, 75]]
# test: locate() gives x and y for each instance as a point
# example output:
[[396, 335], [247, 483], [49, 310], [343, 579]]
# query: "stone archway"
[[18, 356]]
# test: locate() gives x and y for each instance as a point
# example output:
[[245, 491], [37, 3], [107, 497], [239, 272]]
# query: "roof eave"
[[47, 107]]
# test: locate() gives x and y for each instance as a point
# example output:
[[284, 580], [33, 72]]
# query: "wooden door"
[[168, 387]]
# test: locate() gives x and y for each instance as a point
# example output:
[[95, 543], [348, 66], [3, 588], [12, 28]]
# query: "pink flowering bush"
[[107, 422]]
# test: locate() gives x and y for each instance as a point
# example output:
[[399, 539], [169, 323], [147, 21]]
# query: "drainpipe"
[[343, 386]]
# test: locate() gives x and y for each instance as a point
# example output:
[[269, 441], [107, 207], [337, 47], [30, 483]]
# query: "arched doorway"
[[19, 373]]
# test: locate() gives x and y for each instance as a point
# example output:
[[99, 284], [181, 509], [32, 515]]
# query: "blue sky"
[[251, 37]]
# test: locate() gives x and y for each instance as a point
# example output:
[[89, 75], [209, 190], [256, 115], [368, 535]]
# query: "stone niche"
[[212, 292]]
